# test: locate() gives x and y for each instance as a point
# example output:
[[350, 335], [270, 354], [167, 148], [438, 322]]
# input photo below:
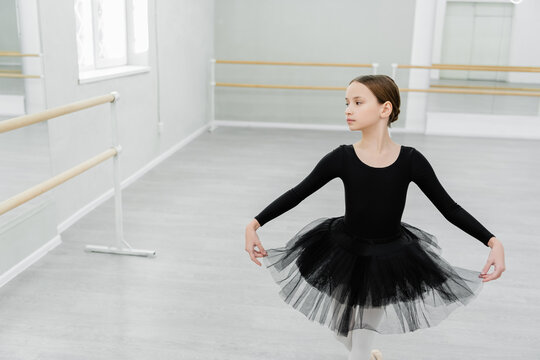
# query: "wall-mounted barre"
[[293, 63], [25, 120], [213, 83], [302, 87], [114, 151], [47, 185]]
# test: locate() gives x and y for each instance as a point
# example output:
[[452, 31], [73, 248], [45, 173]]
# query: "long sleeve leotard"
[[375, 196]]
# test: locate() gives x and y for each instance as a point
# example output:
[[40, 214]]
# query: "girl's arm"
[[328, 168], [423, 175]]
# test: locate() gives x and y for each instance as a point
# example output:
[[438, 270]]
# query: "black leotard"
[[375, 196]]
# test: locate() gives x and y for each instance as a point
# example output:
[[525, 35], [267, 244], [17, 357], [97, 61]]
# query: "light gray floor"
[[202, 297]]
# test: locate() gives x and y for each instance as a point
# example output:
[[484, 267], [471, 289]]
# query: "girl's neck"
[[376, 141]]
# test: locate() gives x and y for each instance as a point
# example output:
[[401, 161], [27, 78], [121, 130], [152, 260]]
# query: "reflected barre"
[[6, 74], [17, 54], [15, 74], [471, 67], [484, 87], [441, 88], [448, 91], [396, 66], [476, 92]]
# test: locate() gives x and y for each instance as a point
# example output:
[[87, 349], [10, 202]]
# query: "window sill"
[[110, 73]]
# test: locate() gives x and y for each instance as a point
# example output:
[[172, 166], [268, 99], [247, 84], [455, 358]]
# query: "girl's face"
[[363, 110]]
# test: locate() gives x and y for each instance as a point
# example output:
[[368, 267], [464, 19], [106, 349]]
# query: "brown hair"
[[385, 89]]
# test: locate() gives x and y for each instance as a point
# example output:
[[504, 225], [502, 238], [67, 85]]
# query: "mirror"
[[24, 152]]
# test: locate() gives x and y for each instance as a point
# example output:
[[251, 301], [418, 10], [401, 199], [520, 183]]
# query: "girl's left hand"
[[495, 258]]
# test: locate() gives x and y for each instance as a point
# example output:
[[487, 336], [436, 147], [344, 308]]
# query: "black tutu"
[[389, 285]]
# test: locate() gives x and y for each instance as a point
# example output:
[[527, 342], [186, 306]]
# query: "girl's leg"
[[362, 339], [362, 343]]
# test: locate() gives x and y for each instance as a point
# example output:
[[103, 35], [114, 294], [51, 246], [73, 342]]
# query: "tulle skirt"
[[389, 285]]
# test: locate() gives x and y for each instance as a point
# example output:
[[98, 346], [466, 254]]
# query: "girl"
[[367, 271]]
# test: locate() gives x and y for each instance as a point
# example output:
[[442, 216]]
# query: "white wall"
[[185, 45]]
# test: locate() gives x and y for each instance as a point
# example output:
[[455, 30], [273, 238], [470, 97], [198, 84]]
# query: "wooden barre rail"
[[483, 87], [450, 91], [477, 92], [39, 189], [305, 87], [30, 119], [471, 67], [16, 54], [5, 74], [290, 63], [11, 71], [402, 66]]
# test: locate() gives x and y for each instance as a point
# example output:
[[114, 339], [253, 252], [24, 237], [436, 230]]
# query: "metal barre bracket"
[[116, 96]]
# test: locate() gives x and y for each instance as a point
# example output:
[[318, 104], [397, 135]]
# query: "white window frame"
[[131, 63]]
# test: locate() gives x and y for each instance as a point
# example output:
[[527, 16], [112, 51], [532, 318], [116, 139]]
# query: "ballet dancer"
[[367, 271]]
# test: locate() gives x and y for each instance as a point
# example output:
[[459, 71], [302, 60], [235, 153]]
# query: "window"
[[112, 38]]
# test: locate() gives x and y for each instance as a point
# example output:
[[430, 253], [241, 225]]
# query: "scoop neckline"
[[373, 167]]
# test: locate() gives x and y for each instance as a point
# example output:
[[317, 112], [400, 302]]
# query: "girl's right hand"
[[252, 240]]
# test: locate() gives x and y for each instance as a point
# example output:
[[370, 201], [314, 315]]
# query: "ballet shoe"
[[375, 355]]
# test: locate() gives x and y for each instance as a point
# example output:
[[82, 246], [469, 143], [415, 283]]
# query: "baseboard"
[[483, 125], [29, 260]]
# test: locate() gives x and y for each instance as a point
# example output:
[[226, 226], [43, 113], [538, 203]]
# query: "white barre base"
[[118, 251]]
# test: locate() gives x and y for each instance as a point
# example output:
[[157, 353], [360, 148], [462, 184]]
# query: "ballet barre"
[[213, 83], [113, 152], [281, 86], [296, 63], [465, 67], [449, 89]]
